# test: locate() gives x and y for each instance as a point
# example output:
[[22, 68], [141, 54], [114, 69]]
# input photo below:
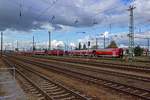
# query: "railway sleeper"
[[145, 94], [131, 90], [136, 91], [69, 98], [60, 96], [57, 93], [114, 85], [41, 98], [35, 92], [47, 86], [120, 87], [107, 83], [52, 88], [56, 90], [33, 89], [39, 94], [126, 89]]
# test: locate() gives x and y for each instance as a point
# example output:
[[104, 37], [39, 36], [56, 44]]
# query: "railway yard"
[[74, 49], [55, 78]]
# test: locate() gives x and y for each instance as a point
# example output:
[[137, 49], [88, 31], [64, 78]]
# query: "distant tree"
[[44, 48], [16, 49], [59, 47], [112, 45], [94, 47], [34, 48], [84, 47], [138, 51], [79, 46], [76, 48], [127, 51]]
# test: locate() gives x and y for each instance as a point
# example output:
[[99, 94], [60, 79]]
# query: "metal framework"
[[131, 33]]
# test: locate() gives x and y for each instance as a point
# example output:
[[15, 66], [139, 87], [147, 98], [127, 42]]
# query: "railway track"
[[92, 62], [135, 91], [44, 87], [130, 76], [29, 86]]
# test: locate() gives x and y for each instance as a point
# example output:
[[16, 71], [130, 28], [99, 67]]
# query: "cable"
[[53, 17], [45, 10], [20, 11]]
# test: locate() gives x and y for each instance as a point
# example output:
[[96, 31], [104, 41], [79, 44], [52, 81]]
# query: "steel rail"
[[46, 96], [135, 77], [138, 92], [72, 93]]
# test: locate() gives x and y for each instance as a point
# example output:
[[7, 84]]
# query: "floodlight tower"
[[131, 33]]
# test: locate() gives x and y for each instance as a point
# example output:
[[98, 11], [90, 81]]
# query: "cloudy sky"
[[71, 21]]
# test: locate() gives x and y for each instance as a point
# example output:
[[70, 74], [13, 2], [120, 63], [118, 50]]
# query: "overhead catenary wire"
[[52, 19], [20, 9], [110, 10], [21, 5], [48, 8], [95, 22]]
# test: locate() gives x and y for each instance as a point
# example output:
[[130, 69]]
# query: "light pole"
[[33, 45], [49, 40], [17, 46], [104, 40], [96, 43], [1, 44], [148, 46], [12, 46]]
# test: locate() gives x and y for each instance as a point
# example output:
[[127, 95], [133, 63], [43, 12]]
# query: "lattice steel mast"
[[131, 33]]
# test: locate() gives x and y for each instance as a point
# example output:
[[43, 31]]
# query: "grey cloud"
[[36, 14]]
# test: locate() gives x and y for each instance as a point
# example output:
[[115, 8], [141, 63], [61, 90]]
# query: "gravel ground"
[[9, 89], [108, 60], [99, 92], [83, 68]]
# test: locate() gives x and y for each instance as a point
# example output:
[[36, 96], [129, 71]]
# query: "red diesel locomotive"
[[109, 52]]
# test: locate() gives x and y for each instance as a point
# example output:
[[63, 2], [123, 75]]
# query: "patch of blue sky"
[[126, 1]]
